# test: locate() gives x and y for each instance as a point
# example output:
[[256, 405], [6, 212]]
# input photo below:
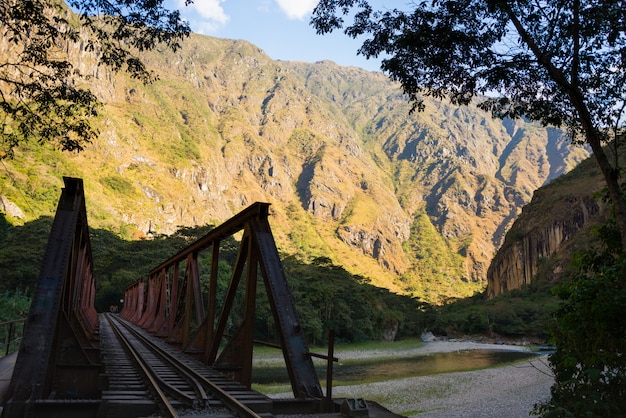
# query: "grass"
[[271, 389]]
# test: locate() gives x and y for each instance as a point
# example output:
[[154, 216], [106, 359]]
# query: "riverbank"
[[436, 346], [509, 391]]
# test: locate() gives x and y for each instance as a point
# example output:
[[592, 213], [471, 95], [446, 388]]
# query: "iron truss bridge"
[[171, 351]]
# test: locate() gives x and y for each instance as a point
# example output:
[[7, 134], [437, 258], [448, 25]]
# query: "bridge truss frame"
[[171, 305], [59, 355], [58, 363]]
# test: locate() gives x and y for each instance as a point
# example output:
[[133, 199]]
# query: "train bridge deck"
[[167, 353]]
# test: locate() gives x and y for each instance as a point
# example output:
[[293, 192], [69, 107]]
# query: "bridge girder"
[[172, 306]]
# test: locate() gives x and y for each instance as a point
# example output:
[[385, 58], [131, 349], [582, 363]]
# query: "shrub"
[[590, 335]]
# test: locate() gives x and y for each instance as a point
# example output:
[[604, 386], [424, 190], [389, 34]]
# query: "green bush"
[[118, 184], [524, 313], [14, 305], [21, 252], [590, 336], [328, 297]]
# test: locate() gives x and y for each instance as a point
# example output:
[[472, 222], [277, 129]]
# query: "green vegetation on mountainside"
[[409, 202], [435, 264], [522, 314]]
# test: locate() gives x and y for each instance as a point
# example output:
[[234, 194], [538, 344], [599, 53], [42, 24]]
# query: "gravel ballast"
[[508, 391]]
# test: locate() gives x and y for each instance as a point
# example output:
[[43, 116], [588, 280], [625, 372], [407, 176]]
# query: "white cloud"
[[211, 10], [297, 9], [204, 15]]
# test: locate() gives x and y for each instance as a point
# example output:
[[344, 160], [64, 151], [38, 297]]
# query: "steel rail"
[[198, 389], [229, 401], [171, 412]]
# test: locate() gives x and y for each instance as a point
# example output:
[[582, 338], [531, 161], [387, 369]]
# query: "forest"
[[326, 295]]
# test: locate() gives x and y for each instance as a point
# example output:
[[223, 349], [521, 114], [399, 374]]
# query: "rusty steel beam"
[[59, 353], [160, 320], [233, 285], [202, 332], [304, 383], [225, 230]]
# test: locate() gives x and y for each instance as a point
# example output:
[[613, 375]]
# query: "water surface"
[[361, 370]]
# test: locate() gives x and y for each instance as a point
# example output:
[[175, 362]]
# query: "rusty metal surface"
[[185, 321], [189, 382], [304, 380], [59, 351], [58, 372]]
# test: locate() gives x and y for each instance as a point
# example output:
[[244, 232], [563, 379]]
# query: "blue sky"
[[279, 27]]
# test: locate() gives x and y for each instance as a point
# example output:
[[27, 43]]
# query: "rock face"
[[11, 208], [347, 169], [545, 232]]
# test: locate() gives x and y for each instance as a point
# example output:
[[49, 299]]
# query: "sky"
[[279, 27]]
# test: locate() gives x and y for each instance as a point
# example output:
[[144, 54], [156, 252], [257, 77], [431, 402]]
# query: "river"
[[380, 369]]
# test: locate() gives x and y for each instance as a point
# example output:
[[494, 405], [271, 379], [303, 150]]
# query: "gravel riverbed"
[[508, 391]]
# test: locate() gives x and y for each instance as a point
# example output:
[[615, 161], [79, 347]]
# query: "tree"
[[560, 62], [43, 95], [590, 334]]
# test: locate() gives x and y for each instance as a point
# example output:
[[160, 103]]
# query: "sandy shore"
[[509, 391]]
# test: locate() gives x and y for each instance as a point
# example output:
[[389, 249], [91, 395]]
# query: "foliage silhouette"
[[42, 93], [590, 335], [21, 252]]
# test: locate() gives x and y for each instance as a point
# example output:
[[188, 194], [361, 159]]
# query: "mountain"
[[418, 203], [557, 223]]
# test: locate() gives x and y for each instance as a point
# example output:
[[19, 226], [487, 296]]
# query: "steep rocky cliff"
[[351, 175], [554, 224]]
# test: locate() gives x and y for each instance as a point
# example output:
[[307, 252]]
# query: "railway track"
[[142, 368]]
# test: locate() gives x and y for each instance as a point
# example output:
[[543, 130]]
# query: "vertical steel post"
[[174, 298], [188, 300], [329, 370], [247, 337], [212, 298], [197, 288], [229, 298]]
